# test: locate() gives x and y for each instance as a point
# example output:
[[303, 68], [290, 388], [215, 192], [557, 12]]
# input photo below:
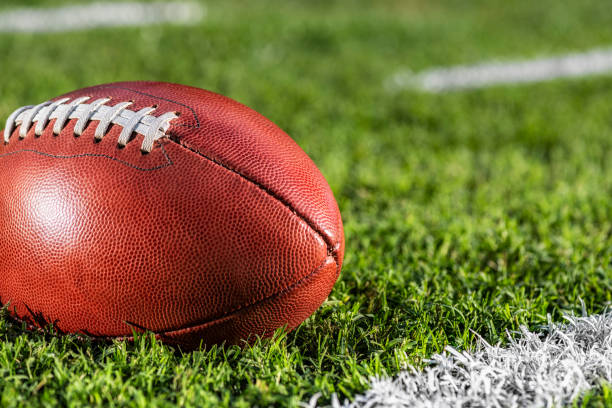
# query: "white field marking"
[[596, 61], [93, 15], [546, 369]]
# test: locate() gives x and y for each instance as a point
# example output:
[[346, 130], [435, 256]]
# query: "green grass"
[[480, 210]]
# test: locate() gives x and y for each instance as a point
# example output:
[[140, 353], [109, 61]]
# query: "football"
[[148, 206]]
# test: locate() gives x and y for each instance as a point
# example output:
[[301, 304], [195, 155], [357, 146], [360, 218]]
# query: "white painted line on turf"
[[597, 61], [546, 369], [93, 15]]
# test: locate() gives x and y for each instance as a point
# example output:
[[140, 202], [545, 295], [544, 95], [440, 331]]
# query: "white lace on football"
[[142, 122]]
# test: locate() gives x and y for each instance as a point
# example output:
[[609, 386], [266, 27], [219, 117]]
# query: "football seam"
[[246, 306], [330, 246]]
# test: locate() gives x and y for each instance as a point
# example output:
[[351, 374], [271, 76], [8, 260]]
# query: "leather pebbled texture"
[[226, 230]]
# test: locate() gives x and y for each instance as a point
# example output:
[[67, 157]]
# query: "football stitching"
[[151, 127], [195, 115]]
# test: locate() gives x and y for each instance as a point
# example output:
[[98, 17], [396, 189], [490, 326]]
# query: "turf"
[[469, 211]]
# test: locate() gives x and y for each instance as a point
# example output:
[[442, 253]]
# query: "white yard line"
[[546, 369], [93, 15], [597, 61]]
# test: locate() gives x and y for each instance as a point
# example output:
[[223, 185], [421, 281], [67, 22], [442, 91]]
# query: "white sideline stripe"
[[596, 61], [88, 16], [546, 369]]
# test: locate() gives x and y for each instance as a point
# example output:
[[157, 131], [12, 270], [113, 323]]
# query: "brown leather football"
[[153, 206]]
